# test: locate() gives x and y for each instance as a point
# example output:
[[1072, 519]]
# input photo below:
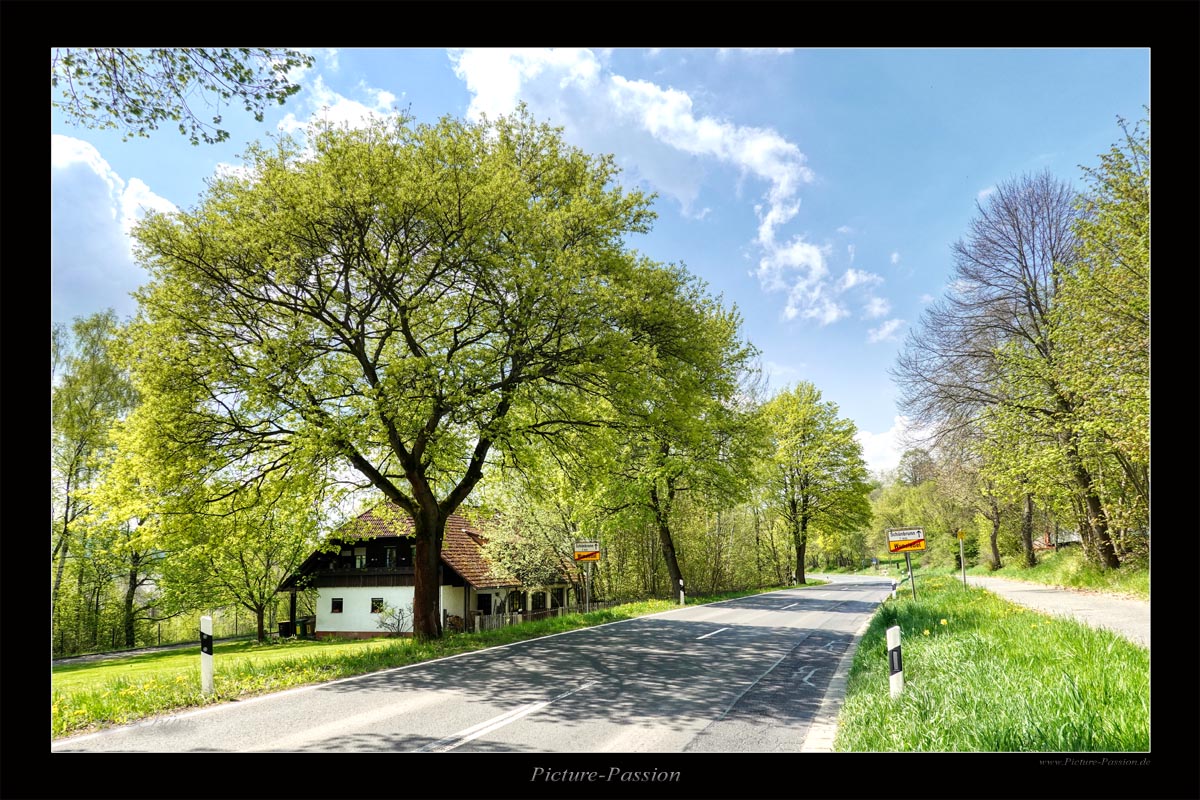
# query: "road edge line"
[[823, 730]]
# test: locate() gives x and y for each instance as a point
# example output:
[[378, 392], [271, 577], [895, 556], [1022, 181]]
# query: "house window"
[[389, 556], [556, 598], [360, 557], [516, 602], [335, 606], [376, 605], [539, 601]]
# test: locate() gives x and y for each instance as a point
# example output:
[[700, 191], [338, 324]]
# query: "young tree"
[[818, 477], [402, 300], [89, 392], [136, 90]]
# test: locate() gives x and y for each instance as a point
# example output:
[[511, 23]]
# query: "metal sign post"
[[906, 540], [588, 551]]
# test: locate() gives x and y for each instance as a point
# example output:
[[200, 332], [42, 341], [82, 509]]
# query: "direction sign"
[[902, 540]]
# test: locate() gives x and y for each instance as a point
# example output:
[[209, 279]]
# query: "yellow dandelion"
[[944, 622], [926, 632]]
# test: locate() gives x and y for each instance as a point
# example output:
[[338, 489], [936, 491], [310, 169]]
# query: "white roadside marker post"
[[206, 656], [681, 597], [895, 664], [894, 588]]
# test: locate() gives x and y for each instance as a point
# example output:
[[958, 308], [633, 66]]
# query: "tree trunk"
[[1027, 532], [994, 540], [127, 611], [1097, 519], [260, 614], [64, 543], [427, 560], [661, 512]]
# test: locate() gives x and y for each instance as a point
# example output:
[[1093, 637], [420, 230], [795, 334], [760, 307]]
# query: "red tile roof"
[[462, 546]]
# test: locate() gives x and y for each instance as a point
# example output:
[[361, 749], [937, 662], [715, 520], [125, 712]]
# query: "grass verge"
[[88, 696], [1068, 568], [984, 675]]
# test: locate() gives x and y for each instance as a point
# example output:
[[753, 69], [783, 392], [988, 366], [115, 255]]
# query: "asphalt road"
[[744, 675]]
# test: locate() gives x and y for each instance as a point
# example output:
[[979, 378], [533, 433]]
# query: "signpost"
[[587, 551], [906, 540]]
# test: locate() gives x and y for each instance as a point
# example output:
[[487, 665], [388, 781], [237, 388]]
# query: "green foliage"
[[817, 476], [402, 300], [994, 677], [136, 90]]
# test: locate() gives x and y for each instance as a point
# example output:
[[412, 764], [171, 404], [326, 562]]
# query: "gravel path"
[[1129, 618]]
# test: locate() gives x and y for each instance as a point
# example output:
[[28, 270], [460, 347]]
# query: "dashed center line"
[[487, 726], [785, 608], [714, 633]]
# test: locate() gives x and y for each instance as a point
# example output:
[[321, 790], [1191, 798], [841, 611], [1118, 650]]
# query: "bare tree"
[[988, 345]]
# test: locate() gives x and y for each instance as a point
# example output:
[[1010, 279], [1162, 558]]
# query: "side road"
[[1129, 618]]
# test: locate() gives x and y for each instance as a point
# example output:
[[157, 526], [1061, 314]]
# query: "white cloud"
[[895, 258], [845, 229], [850, 250], [326, 104], [885, 331], [882, 451], [825, 311], [665, 141], [926, 299], [92, 210], [982, 194], [877, 307], [857, 277]]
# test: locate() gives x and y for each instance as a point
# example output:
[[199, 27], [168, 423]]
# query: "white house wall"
[[356, 616]]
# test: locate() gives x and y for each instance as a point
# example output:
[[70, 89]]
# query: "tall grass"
[[89, 696], [1067, 567], [984, 675]]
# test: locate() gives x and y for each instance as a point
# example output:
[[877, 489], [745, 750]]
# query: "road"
[[743, 675]]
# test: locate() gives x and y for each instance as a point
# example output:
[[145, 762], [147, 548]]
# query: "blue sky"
[[819, 190]]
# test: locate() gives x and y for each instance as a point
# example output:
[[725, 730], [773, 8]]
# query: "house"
[[370, 565]]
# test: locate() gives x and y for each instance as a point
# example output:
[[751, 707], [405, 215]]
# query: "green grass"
[[86, 696], [1069, 569], [995, 677]]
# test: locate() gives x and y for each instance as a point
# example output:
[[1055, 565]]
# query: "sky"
[[817, 190]]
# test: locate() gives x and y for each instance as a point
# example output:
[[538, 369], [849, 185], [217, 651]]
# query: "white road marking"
[[487, 726], [828, 646], [785, 608], [342, 725], [809, 675], [714, 633]]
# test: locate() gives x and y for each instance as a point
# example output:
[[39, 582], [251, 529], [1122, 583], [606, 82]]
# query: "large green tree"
[[818, 476], [399, 300], [136, 90]]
